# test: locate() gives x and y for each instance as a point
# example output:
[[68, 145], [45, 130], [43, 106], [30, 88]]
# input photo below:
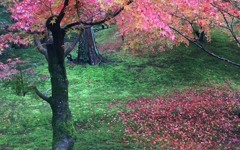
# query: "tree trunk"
[[87, 50], [63, 129], [202, 37]]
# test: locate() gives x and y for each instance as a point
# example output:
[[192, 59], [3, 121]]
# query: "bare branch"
[[40, 47], [46, 92], [199, 45], [41, 95], [107, 18], [71, 47], [229, 27]]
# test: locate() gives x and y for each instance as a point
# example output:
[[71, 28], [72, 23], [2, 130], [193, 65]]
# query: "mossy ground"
[[97, 93]]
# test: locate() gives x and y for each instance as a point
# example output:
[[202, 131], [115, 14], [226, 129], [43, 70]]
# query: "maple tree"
[[142, 22], [47, 22]]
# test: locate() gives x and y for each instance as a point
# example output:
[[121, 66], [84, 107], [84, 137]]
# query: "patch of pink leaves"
[[185, 120], [8, 69]]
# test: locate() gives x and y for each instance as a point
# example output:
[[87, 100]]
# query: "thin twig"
[[40, 47], [71, 47]]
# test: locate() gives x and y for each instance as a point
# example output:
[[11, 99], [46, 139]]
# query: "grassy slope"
[[26, 121]]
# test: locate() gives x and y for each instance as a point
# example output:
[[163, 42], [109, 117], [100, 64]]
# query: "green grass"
[[5, 16], [4, 19], [97, 93]]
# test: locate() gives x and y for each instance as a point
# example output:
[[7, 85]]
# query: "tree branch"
[[222, 10], [40, 47], [41, 95], [199, 45], [71, 25], [71, 47], [107, 18], [229, 27], [62, 13]]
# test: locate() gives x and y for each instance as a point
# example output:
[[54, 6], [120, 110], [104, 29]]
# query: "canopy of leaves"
[[154, 17], [145, 22]]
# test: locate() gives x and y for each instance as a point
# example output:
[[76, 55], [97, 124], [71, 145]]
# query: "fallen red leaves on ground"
[[190, 119]]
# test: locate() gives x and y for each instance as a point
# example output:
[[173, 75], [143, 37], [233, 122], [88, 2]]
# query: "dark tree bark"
[[87, 50], [63, 129], [201, 36]]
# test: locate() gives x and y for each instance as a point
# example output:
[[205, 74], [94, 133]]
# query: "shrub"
[[20, 76]]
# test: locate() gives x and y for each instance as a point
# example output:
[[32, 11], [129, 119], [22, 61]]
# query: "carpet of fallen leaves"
[[190, 119]]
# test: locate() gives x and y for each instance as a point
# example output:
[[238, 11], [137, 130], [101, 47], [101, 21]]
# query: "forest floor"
[[98, 94]]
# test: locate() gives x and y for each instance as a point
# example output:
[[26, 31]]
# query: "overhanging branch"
[[199, 45], [107, 18], [40, 47], [230, 28]]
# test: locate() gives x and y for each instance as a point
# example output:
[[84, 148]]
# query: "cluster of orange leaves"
[[185, 120]]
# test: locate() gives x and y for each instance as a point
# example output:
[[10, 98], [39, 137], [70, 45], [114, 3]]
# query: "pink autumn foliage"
[[8, 69], [185, 120], [6, 39]]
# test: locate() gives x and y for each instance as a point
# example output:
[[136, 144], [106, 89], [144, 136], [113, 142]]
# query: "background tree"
[[87, 50]]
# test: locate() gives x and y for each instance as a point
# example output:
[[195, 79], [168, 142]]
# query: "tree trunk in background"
[[87, 50], [63, 129], [202, 37]]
